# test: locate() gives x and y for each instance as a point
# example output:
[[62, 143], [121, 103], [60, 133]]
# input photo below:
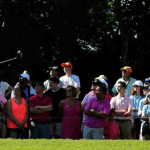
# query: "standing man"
[[126, 77], [53, 73], [97, 109], [69, 78], [40, 106], [57, 94], [123, 106]]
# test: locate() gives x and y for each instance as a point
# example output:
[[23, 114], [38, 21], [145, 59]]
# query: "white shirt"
[[70, 80], [3, 87]]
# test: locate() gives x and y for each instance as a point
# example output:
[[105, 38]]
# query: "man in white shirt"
[[69, 78]]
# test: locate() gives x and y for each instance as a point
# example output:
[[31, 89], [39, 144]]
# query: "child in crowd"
[[111, 130]]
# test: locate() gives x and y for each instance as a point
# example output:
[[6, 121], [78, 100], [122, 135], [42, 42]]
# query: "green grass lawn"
[[42, 144]]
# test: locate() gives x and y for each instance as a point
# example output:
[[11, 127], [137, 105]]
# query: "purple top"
[[85, 101], [104, 106]]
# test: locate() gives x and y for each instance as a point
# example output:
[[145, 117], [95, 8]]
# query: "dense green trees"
[[98, 37]]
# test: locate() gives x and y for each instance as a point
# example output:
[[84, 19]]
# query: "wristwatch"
[[92, 110]]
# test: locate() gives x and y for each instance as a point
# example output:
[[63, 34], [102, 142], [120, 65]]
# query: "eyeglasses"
[[15, 89]]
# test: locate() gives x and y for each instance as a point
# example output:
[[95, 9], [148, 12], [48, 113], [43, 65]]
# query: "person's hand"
[[38, 107]]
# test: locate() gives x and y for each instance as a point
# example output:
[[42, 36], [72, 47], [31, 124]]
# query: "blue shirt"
[[146, 110], [136, 101], [141, 103]]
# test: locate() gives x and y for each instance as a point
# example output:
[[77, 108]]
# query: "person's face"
[[136, 88], [146, 91], [16, 90], [99, 93], [120, 88], [93, 87], [67, 69], [23, 81], [54, 73], [125, 73], [69, 92], [53, 85], [38, 89]]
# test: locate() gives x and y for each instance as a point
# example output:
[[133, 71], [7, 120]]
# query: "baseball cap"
[[127, 68], [25, 75], [54, 68], [138, 83], [102, 77], [101, 81], [66, 64]]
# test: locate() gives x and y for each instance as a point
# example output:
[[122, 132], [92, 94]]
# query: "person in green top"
[[126, 77]]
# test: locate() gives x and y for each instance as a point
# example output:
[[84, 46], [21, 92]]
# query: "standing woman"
[[136, 95], [17, 114], [70, 110], [145, 126]]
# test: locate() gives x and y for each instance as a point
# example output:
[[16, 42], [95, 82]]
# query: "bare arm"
[[61, 107], [45, 108], [35, 110]]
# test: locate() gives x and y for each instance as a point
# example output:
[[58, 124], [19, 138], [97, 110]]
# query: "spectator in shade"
[[111, 130], [97, 109], [57, 94], [40, 107], [17, 108], [53, 72], [126, 77], [70, 109]]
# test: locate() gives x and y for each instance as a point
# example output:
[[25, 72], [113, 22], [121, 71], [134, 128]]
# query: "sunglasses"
[[15, 89]]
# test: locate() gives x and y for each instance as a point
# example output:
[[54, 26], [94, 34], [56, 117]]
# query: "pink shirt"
[[122, 103], [111, 130], [2, 99], [104, 106]]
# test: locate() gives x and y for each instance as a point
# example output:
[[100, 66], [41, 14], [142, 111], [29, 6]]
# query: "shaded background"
[[97, 37]]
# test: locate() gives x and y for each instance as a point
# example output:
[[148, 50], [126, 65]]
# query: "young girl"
[[111, 130]]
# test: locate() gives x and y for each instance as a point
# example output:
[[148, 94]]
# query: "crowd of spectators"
[[53, 109]]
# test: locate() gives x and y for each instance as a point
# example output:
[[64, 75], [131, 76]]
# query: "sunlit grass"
[[54, 144]]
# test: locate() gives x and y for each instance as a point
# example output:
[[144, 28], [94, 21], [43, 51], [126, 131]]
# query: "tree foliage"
[[106, 34]]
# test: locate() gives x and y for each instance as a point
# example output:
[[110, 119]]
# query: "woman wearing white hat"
[[136, 96]]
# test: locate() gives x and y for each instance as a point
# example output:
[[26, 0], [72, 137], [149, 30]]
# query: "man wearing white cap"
[[102, 80], [126, 77], [28, 89]]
